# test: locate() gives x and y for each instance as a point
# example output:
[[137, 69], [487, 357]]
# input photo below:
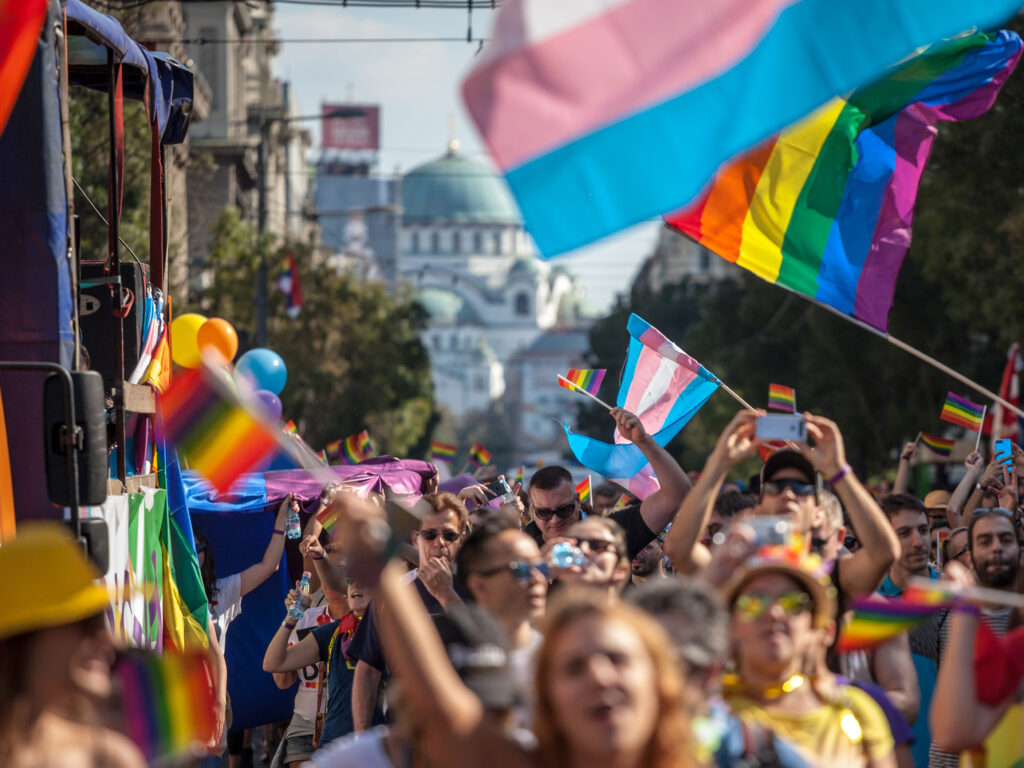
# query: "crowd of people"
[[697, 627]]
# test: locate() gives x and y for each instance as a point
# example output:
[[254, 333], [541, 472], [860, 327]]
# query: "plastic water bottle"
[[293, 523], [302, 601], [565, 555]]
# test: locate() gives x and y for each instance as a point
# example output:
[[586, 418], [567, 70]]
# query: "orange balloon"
[[220, 335]]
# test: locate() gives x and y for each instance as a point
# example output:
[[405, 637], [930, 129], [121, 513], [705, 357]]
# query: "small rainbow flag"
[[357, 448], [938, 445], [168, 701], [962, 412], [322, 455], [333, 449], [583, 490], [327, 516], [588, 379], [874, 621], [624, 501], [290, 428], [442, 451], [519, 475], [220, 436], [781, 398], [479, 455]]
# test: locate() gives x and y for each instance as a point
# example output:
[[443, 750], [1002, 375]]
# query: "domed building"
[[472, 268]]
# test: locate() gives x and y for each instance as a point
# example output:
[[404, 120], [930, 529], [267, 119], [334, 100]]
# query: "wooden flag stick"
[[977, 441], [582, 391], [918, 438]]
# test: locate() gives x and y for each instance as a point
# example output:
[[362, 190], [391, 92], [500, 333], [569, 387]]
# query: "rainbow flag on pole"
[[938, 445], [588, 379], [825, 207], [519, 475], [290, 427], [357, 448], [479, 455], [442, 451], [781, 398], [583, 490], [220, 436], [876, 621], [168, 701], [333, 449], [961, 411]]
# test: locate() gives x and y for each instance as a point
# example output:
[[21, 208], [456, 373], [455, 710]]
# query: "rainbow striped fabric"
[[479, 455], [333, 449], [327, 516], [825, 207], [583, 490], [322, 455], [564, 92], [961, 411], [442, 451], [588, 379], [519, 475], [938, 445], [781, 398], [876, 621], [168, 701], [220, 436], [357, 448], [290, 427]]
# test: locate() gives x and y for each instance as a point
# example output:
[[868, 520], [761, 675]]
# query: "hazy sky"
[[417, 86]]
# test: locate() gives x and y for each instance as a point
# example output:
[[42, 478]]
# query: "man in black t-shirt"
[[555, 507]]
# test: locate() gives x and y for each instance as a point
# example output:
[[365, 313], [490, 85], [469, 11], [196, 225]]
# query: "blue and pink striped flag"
[[664, 387], [605, 113]]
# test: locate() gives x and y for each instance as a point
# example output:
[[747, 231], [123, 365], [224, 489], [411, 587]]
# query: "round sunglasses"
[[754, 605]]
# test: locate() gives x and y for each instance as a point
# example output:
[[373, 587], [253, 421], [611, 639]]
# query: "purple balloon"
[[271, 401]]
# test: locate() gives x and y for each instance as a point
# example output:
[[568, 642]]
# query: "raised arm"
[[863, 571], [955, 509], [220, 681], [893, 669], [332, 577], [735, 444], [279, 657], [902, 482], [256, 574], [660, 507]]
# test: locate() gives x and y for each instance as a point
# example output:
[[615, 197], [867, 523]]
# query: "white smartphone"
[[781, 426]]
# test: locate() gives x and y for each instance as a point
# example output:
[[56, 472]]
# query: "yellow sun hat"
[[47, 580]]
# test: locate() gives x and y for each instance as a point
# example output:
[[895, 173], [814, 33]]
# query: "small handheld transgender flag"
[[781, 398], [587, 379]]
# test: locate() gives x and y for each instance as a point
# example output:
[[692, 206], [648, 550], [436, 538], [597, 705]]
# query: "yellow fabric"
[[48, 581], [824, 735], [1004, 747], [181, 630]]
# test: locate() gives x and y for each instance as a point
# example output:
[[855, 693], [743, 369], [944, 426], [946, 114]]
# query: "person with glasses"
[[554, 506], [502, 570], [781, 618], [955, 548], [606, 566], [442, 526]]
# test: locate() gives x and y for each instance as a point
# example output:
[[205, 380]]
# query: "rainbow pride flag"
[[327, 516], [781, 398], [220, 436], [564, 92], [876, 621], [479, 455], [825, 207], [333, 449], [583, 490], [168, 701], [442, 451], [290, 428], [357, 448], [588, 379], [938, 445], [322, 455], [519, 475], [961, 411]]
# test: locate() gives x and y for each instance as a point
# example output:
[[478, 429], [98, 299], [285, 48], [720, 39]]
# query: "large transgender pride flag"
[[664, 387], [605, 113]]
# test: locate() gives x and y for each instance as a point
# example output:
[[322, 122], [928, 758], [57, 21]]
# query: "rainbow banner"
[[962, 412], [588, 379], [564, 92], [442, 451], [357, 448], [876, 621], [781, 398], [825, 207], [938, 445], [168, 701], [583, 490], [220, 436], [479, 455]]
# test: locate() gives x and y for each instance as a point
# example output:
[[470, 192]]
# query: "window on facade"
[[453, 343], [456, 242], [522, 304], [478, 242], [435, 242], [705, 260]]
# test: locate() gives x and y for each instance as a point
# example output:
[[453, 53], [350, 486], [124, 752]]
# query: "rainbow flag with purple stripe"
[[588, 379], [961, 411], [333, 449], [938, 445], [825, 207], [583, 490], [875, 621], [519, 475], [664, 387], [356, 448], [442, 451], [781, 398], [219, 435], [479, 455]]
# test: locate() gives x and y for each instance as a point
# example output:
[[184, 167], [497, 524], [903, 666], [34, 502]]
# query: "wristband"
[[839, 475], [981, 487], [278, 532], [288, 625]]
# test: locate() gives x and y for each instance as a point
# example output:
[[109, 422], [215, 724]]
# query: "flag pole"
[[582, 391], [915, 352], [728, 390], [977, 441]]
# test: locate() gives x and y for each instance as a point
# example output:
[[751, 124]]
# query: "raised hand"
[[629, 425], [436, 576], [737, 441], [828, 454], [974, 462], [311, 547], [908, 452], [478, 493]]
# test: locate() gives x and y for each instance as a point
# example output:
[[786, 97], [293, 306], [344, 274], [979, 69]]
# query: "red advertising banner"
[[350, 126]]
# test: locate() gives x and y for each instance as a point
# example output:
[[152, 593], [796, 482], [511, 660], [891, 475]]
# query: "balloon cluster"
[[193, 334]]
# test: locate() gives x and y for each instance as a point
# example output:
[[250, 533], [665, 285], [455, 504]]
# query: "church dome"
[[526, 267], [446, 307], [455, 188]]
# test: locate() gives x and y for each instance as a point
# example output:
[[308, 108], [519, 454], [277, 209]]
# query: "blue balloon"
[[264, 368]]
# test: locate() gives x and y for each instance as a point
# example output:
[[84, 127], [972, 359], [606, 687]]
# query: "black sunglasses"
[[776, 487], [522, 570], [432, 533], [562, 512]]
